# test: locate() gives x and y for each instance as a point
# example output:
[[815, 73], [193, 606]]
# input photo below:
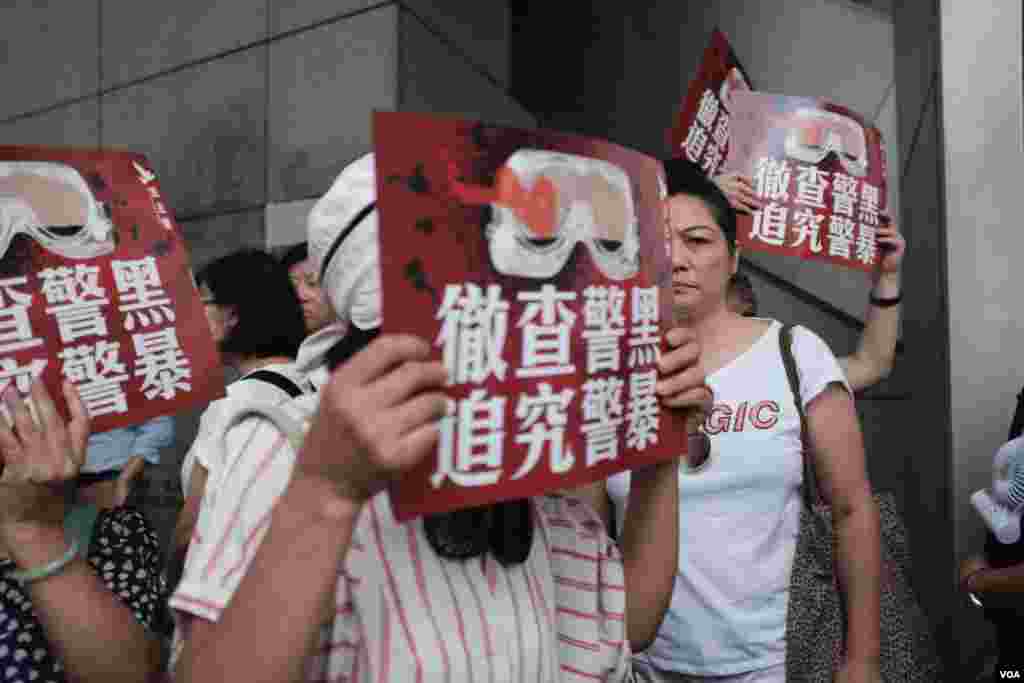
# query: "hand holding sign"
[[682, 379], [41, 456], [739, 190], [892, 247], [377, 417]]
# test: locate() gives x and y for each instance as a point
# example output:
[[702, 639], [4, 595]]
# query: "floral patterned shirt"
[[125, 553]]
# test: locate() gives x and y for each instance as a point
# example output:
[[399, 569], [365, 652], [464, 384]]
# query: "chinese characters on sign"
[[707, 139], [821, 172], [89, 360], [472, 339], [16, 335], [701, 132], [148, 178], [541, 295], [110, 308], [801, 220]]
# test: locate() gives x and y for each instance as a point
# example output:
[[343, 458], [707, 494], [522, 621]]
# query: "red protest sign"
[[701, 129], [822, 171], [95, 287], [536, 264]]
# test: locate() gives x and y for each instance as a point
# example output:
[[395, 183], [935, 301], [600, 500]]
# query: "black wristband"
[[885, 302]]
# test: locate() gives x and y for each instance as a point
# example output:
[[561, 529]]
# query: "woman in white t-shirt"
[[739, 509], [257, 323]]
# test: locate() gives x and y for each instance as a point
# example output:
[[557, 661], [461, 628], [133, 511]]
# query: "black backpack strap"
[[1017, 426], [278, 380]]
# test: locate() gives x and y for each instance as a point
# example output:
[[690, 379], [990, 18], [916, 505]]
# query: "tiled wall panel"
[[145, 38], [203, 129], [324, 85]]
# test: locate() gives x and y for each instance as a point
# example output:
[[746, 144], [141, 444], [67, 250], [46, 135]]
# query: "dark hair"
[[269, 316], [686, 177], [295, 255], [741, 287]]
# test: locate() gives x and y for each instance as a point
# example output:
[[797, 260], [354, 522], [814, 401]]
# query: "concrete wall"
[[924, 437], [640, 59], [981, 122], [247, 109]]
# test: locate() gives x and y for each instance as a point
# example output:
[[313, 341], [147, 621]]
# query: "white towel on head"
[[311, 360], [352, 277]]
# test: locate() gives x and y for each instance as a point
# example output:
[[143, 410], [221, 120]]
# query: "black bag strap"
[[278, 380], [811, 493], [1017, 426]]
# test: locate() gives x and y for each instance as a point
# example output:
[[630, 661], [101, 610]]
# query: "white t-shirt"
[[739, 514], [207, 447]]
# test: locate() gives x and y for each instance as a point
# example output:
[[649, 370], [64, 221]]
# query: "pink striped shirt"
[[404, 614]]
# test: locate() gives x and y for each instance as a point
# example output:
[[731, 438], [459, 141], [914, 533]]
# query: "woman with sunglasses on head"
[[257, 324], [739, 508]]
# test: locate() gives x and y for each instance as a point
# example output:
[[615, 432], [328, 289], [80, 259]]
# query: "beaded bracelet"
[[47, 570]]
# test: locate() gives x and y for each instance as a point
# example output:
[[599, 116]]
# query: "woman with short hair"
[[257, 324]]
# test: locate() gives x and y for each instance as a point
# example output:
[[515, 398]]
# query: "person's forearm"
[[1004, 580], [84, 621], [886, 285], [291, 580], [650, 549], [876, 350], [858, 565]]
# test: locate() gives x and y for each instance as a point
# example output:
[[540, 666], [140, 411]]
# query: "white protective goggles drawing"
[[545, 203], [814, 133], [51, 203]]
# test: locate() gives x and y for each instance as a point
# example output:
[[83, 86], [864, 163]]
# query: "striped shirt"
[[404, 614]]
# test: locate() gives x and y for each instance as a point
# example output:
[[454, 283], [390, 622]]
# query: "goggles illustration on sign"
[[51, 203], [813, 134], [544, 203]]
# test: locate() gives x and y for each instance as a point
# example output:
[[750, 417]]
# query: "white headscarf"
[[351, 279], [352, 276]]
